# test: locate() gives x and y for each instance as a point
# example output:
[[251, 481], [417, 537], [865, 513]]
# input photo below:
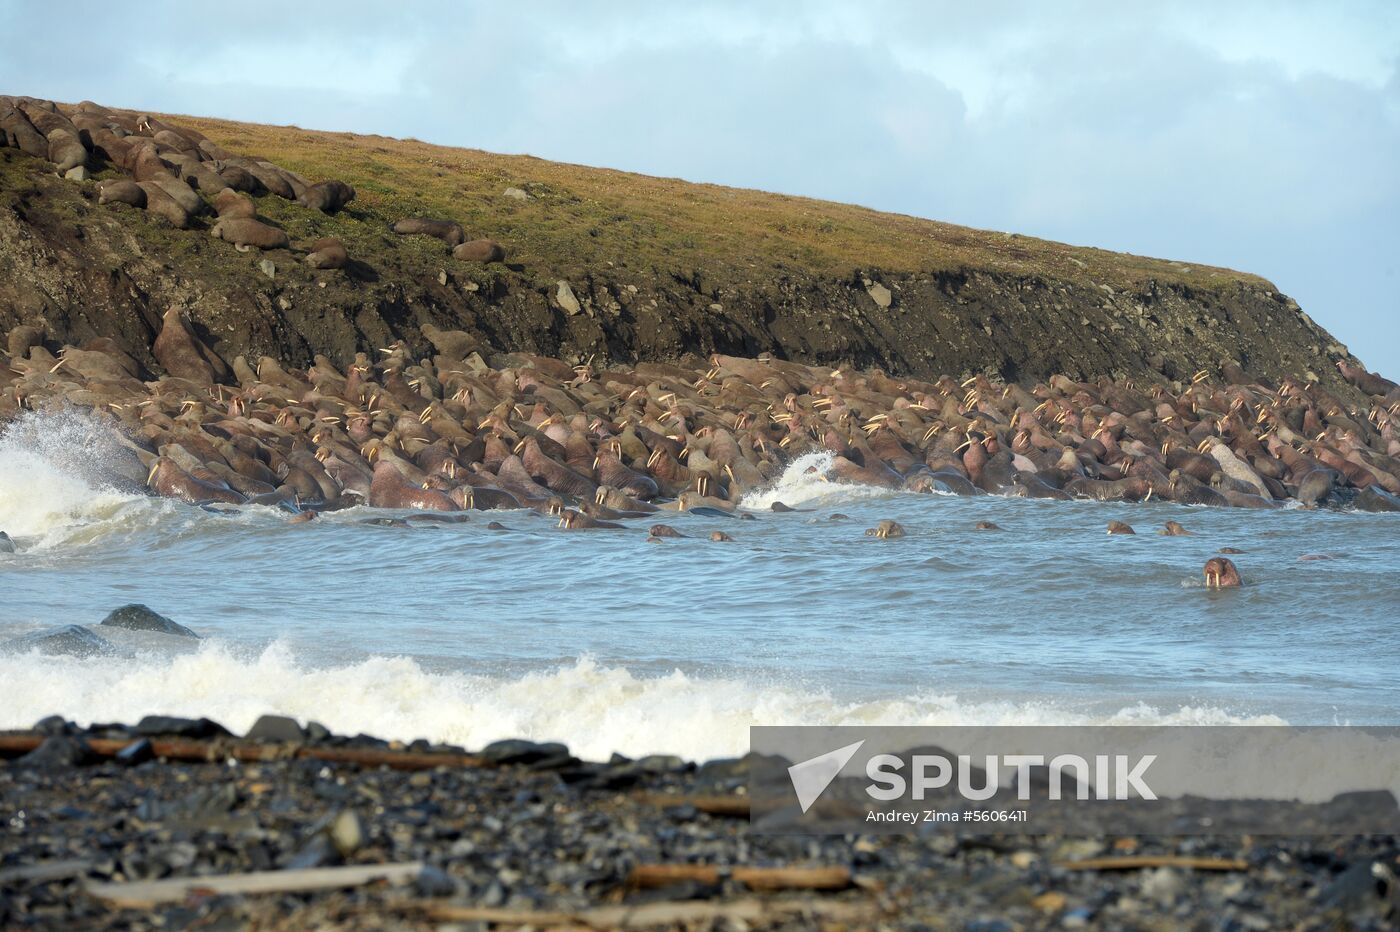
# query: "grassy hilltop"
[[663, 269]]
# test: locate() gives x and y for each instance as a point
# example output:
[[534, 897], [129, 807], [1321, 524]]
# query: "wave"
[[57, 479], [807, 481], [594, 708]]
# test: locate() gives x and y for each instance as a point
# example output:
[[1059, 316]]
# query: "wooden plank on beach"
[[718, 805], [666, 914], [1140, 861], [647, 876], [148, 893]]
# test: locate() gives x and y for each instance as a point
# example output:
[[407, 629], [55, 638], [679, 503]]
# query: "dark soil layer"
[[531, 830], [662, 270]]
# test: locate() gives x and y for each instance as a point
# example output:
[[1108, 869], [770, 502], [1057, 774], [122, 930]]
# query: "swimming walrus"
[[327, 253], [1220, 573], [479, 250], [327, 196], [446, 230], [246, 232]]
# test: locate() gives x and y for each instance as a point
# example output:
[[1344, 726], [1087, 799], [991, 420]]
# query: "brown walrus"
[[169, 480], [180, 192], [121, 191], [446, 230], [245, 232], [327, 253], [1220, 573], [182, 354], [66, 150], [1173, 529], [389, 489], [162, 205], [886, 530], [1118, 527], [480, 250], [327, 196], [240, 179], [230, 205]]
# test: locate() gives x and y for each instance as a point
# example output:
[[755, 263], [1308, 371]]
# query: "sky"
[[1263, 136]]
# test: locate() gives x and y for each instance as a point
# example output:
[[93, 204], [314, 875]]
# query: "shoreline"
[[519, 833]]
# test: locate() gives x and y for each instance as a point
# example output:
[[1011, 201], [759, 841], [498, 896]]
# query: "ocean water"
[[599, 639]]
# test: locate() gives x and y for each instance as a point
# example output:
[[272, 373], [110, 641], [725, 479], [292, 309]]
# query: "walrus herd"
[[179, 175], [452, 431]]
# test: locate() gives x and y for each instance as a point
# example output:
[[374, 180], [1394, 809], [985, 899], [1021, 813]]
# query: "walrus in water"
[[327, 253], [886, 530], [389, 489], [578, 521], [169, 480], [479, 250], [664, 530], [446, 230], [1220, 573], [121, 191], [987, 526], [1173, 529], [720, 536], [1118, 527], [327, 196], [244, 233]]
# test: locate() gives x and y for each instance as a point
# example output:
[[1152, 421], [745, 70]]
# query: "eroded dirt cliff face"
[[79, 270]]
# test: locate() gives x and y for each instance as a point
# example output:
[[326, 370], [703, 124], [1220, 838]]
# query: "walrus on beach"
[[182, 354], [66, 150], [446, 230], [480, 250], [327, 253], [389, 489], [121, 191], [245, 232], [161, 204], [169, 480], [230, 205], [327, 196], [180, 193], [20, 133]]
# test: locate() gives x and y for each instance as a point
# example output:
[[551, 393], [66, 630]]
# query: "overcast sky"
[[1261, 136]]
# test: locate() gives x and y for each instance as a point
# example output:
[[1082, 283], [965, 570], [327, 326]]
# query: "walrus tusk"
[[151, 475]]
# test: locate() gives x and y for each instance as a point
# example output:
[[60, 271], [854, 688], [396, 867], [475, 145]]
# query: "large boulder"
[[67, 640]]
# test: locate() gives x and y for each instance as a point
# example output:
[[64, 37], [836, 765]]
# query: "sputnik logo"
[[810, 778]]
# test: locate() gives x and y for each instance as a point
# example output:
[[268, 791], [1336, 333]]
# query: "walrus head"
[[1220, 573], [886, 530]]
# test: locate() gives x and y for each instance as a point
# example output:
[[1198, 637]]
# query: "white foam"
[[51, 478], [594, 708], [808, 481]]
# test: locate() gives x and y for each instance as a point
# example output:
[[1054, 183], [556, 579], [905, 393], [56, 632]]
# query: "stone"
[[276, 728], [564, 295], [6, 545], [346, 833], [68, 640], [137, 752], [517, 751], [879, 294], [267, 267], [137, 617], [59, 751], [516, 194], [53, 725], [78, 173], [170, 725], [1375, 498]]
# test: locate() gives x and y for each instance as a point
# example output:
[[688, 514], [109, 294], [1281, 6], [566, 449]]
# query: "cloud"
[[1251, 135]]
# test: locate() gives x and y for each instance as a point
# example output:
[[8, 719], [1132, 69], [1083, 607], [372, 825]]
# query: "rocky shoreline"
[[102, 823]]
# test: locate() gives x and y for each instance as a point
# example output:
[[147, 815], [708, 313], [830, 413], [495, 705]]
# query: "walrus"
[[182, 354], [1118, 527], [245, 233], [886, 530], [1368, 382], [1220, 573], [121, 191], [327, 196], [578, 521], [389, 489], [22, 133], [180, 192], [987, 526], [230, 205], [663, 530], [66, 150], [162, 205], [446, 230], [1173, 529], [327, 253], [267, 178], [240, 179], [479, 250], [1374, 498], [197, 174], [720, 536], [169, 480]]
